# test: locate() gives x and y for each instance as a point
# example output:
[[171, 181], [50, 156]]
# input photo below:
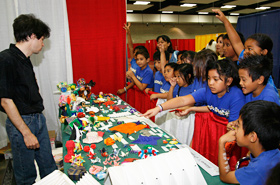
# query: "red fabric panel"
[[151, 46], [208, 129], [98, 42]]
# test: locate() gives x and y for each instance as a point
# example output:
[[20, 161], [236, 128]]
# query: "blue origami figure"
[[151, 140]]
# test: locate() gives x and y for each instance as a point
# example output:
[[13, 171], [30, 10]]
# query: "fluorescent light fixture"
[[129, 10], [234, 14], [203, 13], [228, 6], [167, 12], [262, 8], [141, 2], [188, 5]]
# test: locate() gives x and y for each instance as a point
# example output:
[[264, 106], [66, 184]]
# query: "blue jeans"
[[23, 158]]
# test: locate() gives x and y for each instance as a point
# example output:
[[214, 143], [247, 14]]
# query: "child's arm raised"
[[225, 174], [129, 39], [163, 60], [141, 86], [232, 34], [173, 83]]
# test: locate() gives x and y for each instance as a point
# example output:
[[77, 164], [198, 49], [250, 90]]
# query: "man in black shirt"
[[22, 102]]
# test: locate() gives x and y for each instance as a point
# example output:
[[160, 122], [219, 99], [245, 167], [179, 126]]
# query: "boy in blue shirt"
[[144, 75], [258, 129], [254, 72]]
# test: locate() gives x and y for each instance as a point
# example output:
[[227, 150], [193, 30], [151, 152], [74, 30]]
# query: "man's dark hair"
[[257, 66], [263, 118], [27, 24]]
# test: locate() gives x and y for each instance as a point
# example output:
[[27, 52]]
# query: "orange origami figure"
[[109, 103], [128, 128], [109, 141]]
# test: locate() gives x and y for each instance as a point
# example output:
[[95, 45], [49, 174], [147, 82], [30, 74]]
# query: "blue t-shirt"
[[158, 81], [270, 80], [258, 169], [267, 94], [134, 65], [173, 58], [165, 86], [198, 84], [182, 91], [227, 106], [145, 76]]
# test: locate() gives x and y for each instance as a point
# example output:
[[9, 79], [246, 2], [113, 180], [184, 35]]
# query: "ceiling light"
[[262, 8], [188, 5], [129, 10], [228, 6], [167, 12], [203, 13], [234, 13], [141, 2]]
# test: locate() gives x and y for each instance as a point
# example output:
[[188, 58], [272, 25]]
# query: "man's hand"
[[31, 141]]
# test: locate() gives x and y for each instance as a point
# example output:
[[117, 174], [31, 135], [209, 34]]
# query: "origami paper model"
[[128, 128], [152, 140], [76, 172]]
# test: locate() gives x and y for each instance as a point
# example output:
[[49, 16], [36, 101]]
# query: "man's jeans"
[[23, 158]]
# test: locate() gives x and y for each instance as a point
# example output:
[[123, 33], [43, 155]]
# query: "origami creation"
[[76, 172], [63, 86], [128, 128], [92, 137], [109, 141], [95, 169], [151, 140], [70, 145]]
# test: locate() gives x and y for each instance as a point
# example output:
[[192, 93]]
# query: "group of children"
[[239, 88]]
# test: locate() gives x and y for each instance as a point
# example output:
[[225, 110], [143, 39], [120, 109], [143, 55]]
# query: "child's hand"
[[232, 125], [129, 74], [151, 112], [173, 81], [127, 27], [120, 91], [153, 96], [228, 137], [182, 112], [160, 47], [220, 15]]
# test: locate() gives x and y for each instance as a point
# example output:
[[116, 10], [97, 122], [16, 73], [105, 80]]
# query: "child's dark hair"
[[263, 118], [156, 55], [143, 52], [200, 62], [172, 65], [187, 71], [27, 24], [181, 52], [264, 42], [138, 48], [221, 35], [241, 36], [166, 39], [257, 66], [189, 55], [226, 68]]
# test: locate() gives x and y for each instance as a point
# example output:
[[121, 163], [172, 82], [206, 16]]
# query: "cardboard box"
[[52, 138]]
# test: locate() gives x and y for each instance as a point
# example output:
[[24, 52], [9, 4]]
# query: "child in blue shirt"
[[221, 96], [256, 44], [199, 65], [144, 75], [258, 130], [159, 78], [168, 74], [254, 72], [181, 84]]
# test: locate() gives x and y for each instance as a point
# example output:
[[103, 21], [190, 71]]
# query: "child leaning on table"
[[143, 78], [258, 129]]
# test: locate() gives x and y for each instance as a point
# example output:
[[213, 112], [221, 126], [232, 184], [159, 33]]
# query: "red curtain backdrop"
[[98, 42]]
